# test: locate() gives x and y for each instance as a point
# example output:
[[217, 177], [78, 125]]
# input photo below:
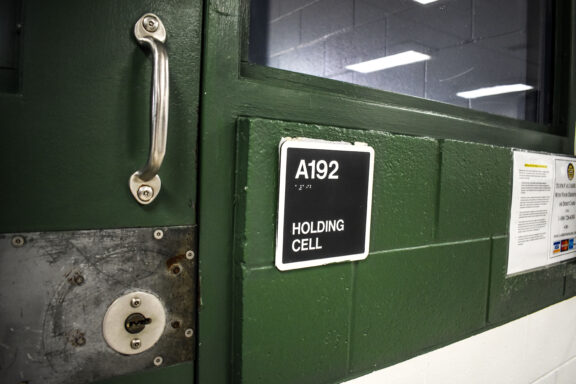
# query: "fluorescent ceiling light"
[[496, 90], [391, 61], [425, 1]]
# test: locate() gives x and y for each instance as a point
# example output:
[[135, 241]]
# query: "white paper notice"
[[563, 228], [543, 212]]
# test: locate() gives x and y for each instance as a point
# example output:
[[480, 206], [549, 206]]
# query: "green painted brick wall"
[[413, 299], [295, 325], [570, 286], [517, 295], [436, 272], [406, 188], [475, 190]]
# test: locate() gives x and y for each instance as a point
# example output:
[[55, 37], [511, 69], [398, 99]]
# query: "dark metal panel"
[[55, 288]]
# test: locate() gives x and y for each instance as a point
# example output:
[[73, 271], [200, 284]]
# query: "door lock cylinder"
[[134, 322]]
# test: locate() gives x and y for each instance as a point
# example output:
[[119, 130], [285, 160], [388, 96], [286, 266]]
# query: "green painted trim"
[[267, 100], [216, 190], [294, 80]]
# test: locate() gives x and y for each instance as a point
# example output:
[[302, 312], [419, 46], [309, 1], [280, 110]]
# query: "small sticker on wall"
[[325, 202]]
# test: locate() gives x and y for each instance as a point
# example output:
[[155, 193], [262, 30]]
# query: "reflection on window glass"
[[488, 55], [9, 40]]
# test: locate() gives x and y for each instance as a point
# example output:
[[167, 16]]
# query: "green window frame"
[[480, 126]]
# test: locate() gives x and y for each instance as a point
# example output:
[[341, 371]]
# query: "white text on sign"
[[318, 169], [313, 227]]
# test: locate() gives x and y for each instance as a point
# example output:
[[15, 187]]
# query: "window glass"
[[488, 55], [9, 43]]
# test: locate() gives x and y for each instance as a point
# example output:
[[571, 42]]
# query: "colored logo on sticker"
[[557, 247], [571, 244], [570, 171], [564, 245]]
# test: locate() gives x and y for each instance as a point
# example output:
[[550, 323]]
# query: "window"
[[488, 55], [9, 44]]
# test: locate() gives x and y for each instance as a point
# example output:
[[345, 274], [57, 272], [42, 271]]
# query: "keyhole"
[[136, 322]]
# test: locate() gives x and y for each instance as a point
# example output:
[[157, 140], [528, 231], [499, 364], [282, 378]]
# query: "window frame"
[[563, 90]]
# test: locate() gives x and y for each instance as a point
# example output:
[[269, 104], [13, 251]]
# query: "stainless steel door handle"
[[145, 183]]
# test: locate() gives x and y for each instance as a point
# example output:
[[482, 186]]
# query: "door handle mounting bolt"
[[150, 23]]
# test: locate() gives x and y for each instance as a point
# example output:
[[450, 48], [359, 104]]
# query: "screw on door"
[[135, 302], [145, 193], [150, 23], [18, 241], [135, 344]]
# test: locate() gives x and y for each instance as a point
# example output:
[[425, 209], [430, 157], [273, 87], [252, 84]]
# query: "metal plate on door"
[[56, 288]]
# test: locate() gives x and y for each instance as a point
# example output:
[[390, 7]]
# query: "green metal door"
[[75, 124]]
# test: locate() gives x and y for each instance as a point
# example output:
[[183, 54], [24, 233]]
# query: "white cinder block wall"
[[537, 349], [473, 43]]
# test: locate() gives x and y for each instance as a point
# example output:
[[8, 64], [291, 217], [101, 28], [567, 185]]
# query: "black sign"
[[325, 203]]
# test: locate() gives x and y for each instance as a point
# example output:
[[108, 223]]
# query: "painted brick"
[[513, 44], [284, 34], [405, 79], [570, 287], [257, 193], [552, 340], [360, 30], [521, 294], [512, 105], [292, 5], [510, 17], [360, 44], [295, 325], [408, 80], [566, 373], [471, 66], [404, 194], [475, 190], [366, 11], [435, 26], [273, 9], [326, 17], [307, 59], [408, 301], [405, 191], [273, 62], [348, 77]]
